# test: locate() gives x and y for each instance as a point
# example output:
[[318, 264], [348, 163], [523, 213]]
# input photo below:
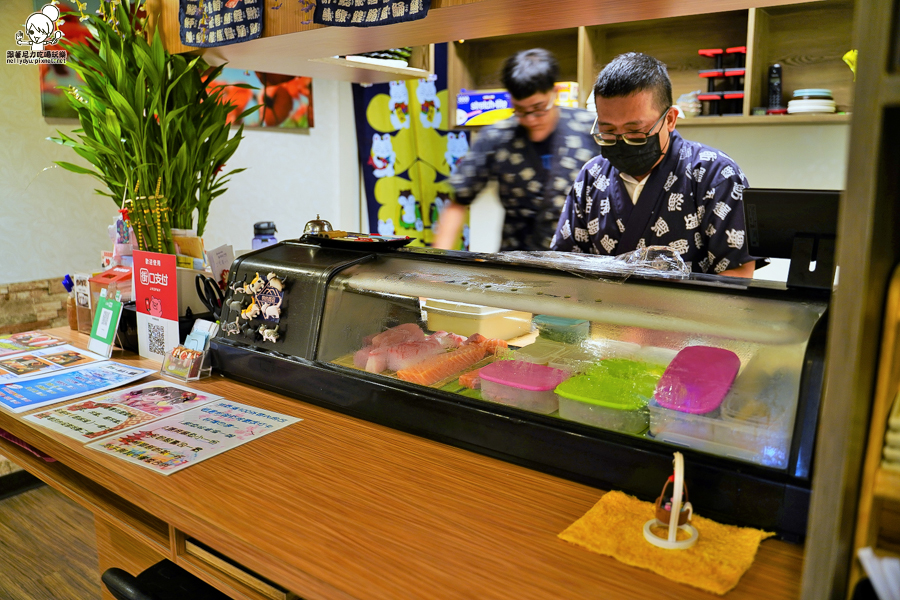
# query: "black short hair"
[[530, 72], [635, 72]]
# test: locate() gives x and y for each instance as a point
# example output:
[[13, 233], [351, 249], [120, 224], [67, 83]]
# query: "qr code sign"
[[157, 338]]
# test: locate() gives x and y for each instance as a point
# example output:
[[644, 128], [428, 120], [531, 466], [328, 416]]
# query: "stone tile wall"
[[31, 305]]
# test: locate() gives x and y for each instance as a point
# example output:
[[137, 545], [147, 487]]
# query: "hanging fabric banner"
[[356, 13], [407, 154]]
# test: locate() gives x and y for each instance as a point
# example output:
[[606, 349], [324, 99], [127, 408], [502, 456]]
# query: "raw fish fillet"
[[439, 367], [470, 380], [377, 361], [408, 332], [448, 340], [404, 356], [361, 356], [491, 345], [373, 360]]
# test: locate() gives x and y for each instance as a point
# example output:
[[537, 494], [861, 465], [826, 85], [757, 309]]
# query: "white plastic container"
[[541, 352], [523, 384], [467, 319], [754, 423], [627, 419]]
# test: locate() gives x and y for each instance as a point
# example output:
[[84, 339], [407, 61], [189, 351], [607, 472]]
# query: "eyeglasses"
[[632, 138], [521, 114]]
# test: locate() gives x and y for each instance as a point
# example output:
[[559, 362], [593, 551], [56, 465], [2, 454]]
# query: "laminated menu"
[[122, 409], [68, 385], [178, 441], [28, 340], [30, 364]]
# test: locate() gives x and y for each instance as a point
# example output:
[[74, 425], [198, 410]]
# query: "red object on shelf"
[[733, 95], [736, 72], [712, 73], [776, 111], [715, 96], [736, 49], [710, 52]]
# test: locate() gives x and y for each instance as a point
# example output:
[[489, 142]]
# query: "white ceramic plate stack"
[[891, 455], [811, 101]]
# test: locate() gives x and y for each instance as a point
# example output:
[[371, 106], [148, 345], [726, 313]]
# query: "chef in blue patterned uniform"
[[534, 156], [651, 187]]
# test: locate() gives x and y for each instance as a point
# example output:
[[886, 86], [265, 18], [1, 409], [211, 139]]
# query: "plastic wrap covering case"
[[589, 368]]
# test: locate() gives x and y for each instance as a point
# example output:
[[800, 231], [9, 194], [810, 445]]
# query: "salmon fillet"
[[439, 367], [491, 345], [470, 380]]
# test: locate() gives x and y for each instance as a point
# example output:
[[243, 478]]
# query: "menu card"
[[27, 340], [28, 365], [123, 409], [178, 441], [68, 385]]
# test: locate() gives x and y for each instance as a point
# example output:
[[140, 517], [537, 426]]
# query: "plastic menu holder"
[[191, 361]]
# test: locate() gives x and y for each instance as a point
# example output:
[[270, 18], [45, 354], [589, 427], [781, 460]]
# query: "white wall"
[[291, 176], [51, 222], [782, 156]]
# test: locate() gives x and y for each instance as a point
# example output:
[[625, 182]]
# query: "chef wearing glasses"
[[651, 187], [534, 156]]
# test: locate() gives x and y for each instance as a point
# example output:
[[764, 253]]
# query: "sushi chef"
[[650, 186], [535, 155]]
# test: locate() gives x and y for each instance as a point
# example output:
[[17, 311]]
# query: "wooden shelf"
[[887, 484], [822, 119], [361, 72]]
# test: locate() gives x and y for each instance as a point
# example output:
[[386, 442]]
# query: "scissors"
[[210, 294]]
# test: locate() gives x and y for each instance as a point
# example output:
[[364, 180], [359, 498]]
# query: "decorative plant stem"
[[148, 116]]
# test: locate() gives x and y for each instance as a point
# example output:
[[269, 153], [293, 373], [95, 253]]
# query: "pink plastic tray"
[[697, 379], [523, 375]]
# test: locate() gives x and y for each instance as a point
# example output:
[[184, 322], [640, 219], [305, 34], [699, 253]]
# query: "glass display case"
[[596, 377]]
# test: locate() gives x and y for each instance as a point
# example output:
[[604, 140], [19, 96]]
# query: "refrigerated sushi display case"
[[596, 376]]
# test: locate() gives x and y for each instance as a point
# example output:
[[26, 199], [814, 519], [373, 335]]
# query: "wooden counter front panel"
[[115, 548], [338, 508]]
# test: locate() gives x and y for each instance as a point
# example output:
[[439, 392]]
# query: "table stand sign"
[[106, 324], [156, 292], [191, 361]]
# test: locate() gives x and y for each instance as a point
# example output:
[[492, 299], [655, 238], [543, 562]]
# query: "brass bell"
[[317, 226]]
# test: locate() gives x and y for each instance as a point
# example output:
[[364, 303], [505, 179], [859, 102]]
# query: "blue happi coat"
[[531, 194], [692, 202]]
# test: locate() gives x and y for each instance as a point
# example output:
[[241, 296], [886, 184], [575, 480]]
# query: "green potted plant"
[[153, 126]]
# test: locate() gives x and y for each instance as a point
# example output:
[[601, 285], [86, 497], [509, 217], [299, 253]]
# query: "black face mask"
[[633, 160]]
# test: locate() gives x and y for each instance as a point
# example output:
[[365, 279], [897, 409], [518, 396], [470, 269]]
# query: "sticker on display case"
[[269, 334], [270, 298], [266, 297]]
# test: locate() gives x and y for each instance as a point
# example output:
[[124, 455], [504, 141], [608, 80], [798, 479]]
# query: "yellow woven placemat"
[[614, 527]]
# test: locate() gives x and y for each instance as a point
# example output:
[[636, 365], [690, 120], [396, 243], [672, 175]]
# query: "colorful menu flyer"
[[179, 441], [28, 365], [68, 385], [156, 294], [28, 340], [122, 409]]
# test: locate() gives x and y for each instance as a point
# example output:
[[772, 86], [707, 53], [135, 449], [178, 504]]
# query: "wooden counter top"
[[336, 508]]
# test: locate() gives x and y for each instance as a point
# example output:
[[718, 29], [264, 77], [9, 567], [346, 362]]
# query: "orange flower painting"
[[285, 100]]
